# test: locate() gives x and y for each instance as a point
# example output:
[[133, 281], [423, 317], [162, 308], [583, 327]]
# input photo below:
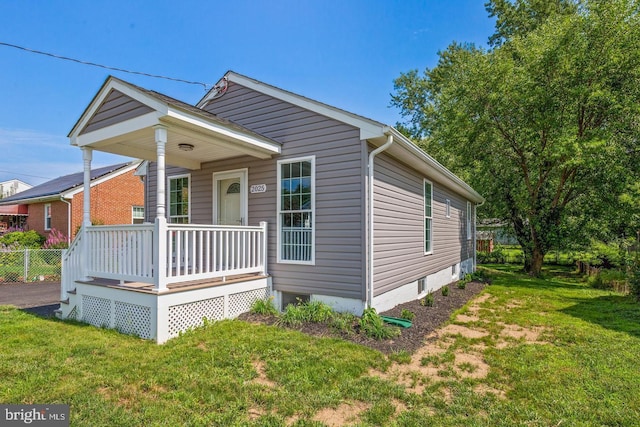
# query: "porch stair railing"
[[72, 268]]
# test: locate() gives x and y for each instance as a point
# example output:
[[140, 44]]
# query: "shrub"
[[427, 301], [264, 307], [11, 276], [372, 325], [634, 279], [495, 257], [22, 240], [615, 280], [407, 314], [56, 240], [445, 290]]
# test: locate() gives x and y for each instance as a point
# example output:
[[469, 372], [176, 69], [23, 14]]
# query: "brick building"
[[117, 197]]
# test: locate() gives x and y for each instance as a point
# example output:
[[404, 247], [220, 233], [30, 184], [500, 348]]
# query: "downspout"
[[62, 199], [372, 156]]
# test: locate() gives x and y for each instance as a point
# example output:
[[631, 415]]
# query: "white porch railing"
[[71, 266], [121, 252], [200, 252], [162, 253]]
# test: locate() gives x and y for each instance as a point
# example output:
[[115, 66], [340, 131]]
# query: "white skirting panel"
[[163, 316], [410, 291]]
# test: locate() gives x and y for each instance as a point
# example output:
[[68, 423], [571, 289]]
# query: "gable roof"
[[67, 185], [121, 119], [373, 131]]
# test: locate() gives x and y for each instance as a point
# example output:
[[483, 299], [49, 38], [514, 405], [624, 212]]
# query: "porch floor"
[[173, 287]]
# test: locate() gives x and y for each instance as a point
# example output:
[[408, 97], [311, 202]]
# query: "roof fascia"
[[103, 92], [97, 181], [368, 128], [445, 175]]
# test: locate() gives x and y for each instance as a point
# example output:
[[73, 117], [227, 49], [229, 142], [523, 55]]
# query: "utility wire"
[[24, 174], [93, 64]]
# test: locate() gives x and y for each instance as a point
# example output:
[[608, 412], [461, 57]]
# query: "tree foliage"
[[545, 123]]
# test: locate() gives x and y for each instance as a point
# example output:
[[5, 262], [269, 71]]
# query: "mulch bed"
[[427, 320]]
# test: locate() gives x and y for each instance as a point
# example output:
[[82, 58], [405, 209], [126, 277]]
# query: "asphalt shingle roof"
[[61, 184]]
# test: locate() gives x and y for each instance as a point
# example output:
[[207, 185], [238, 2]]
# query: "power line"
[[24, 174], [93, 64]]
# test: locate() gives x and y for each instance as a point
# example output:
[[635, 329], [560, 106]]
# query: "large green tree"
[[545, 123]]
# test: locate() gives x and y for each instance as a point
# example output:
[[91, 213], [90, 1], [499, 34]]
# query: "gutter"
[[372, 156]]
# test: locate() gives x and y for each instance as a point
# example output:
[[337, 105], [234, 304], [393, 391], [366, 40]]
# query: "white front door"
[[230, 197]]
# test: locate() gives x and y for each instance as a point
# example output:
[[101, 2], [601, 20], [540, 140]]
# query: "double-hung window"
[[179, 197], [428, 217], [296, 210], [137, 214], [47, 216]]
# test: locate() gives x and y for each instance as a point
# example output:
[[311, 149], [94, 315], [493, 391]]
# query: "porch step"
[[58, 312]]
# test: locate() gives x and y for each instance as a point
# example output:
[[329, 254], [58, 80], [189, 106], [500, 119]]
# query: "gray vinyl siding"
[[399, 227], [339, 213], [116, 107]]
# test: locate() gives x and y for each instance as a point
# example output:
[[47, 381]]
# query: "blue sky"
[[341, 52]]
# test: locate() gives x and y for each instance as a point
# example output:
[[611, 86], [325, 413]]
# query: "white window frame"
[[469, 215], [169, 216], [448, 209], [428, 234], [133, 213], [312, 160], [47, 216]]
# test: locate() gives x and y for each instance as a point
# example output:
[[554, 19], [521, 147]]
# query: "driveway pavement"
[[41, 298]]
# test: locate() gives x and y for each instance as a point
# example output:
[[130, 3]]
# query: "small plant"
[[317, 312], [407, 314], [343, 323], [427, 301], [445, 290], [292, 316], [462, 284], [372, 325], [264, 307]]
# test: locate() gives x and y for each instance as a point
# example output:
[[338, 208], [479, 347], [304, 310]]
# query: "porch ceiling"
[[122, 117]]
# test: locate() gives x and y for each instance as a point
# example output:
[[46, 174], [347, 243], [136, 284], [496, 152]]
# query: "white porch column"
[[87, 154], [160, 232], [161, 197]]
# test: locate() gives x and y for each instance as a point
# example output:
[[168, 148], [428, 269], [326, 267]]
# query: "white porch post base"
[[160, 255]]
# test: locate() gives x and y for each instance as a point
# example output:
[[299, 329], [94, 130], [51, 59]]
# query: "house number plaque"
[[258, 188]]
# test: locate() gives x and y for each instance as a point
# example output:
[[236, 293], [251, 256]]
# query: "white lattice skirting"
[[164, 316]]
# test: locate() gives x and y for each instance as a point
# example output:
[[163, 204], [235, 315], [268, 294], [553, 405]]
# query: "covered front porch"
[[150, 273]]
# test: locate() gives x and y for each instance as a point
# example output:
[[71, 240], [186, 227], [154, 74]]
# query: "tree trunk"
[[533, 262]]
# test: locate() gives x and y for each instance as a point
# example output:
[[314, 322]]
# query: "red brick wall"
[[59, 215], [111, 203]]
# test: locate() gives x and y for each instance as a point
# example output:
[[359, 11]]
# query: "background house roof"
[[60, 185]]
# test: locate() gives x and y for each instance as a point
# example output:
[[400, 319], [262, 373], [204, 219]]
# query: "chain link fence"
[[30, 265]]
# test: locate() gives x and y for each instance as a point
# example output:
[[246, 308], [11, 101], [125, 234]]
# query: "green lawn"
[[584, 372]]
